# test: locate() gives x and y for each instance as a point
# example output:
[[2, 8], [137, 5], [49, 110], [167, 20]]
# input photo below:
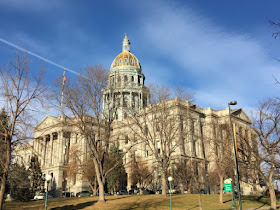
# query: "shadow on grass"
[[228, 201], [143, 205], [78, 206], [193, 207]]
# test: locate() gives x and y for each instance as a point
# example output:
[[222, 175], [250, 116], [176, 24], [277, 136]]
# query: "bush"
[[19, 183]]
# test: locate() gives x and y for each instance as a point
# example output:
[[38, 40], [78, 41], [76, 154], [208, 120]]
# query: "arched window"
[[120, 61], [132, 79], [125, 101], [146, 150], [125, 60], [125, 78], [133, 101]]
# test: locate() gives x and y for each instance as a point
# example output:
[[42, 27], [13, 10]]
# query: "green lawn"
[[189, 201]]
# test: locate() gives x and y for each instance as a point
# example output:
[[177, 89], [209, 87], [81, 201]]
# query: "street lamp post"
[[48, 179], [170, 179], [32, 165], [234, 153]]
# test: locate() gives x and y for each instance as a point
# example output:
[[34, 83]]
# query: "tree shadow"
[[227, 201], [78, 206], [193, 207]]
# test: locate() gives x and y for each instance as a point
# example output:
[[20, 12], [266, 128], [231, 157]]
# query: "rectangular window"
[[126, 139], [55, 136], [194, 148], [157, 127], [146, 130], [159, 170]]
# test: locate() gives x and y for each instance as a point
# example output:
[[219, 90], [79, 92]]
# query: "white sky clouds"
[[225, 65], [176, 43]]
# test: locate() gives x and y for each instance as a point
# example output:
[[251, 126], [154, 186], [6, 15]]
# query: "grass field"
[[159, 202]]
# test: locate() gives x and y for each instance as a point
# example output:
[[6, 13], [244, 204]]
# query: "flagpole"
[[62, 94]]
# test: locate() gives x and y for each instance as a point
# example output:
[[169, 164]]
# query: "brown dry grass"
[[159, 202]]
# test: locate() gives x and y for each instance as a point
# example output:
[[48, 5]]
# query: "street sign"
[[227, 185]]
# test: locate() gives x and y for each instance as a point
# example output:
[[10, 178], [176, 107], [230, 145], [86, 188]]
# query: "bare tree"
[[140, 173], [88, 172], [220, 144], [84, 100], [277, 25], [190, 174], [22, 91], [266, 123], [159, 127], [73, 167]]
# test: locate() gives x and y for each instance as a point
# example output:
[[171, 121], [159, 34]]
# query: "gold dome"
[[125, 59]]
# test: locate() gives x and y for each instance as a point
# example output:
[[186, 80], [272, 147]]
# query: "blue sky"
[[222, 50]]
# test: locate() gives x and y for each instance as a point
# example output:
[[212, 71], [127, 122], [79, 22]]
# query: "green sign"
[[227, 185]]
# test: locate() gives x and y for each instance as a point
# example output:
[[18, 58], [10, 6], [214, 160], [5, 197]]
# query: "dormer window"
[[125, 60], [120, 60], [131, 61]]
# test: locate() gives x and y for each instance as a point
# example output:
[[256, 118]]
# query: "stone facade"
[[124, 97]]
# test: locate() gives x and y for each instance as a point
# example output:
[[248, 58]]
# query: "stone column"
[[141, 105], [35, 146], [200, 140], [138, 101], [45, 148], [121, 98], [130, 99], [129, 181], [84, 146], [51, 152], [61, 146]]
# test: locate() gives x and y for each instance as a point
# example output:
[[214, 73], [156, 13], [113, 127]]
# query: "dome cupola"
[[125, 60], [125, 93]]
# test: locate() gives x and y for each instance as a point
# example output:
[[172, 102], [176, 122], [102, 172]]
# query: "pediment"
[[242, 115], [46, 123]]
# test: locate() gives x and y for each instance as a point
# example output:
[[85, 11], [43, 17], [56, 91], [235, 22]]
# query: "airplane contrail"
[[38, 56]]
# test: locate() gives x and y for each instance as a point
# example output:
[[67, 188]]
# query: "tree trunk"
[[163, 184], [141, 191], [92, 189], [101, 193], [200, 201], [2, 190], [221, 189], [181, 187], [272, 196], [100, 179], [5, 173]]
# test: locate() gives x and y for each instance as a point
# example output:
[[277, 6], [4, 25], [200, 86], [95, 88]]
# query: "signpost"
[[228, 188], [227, 185]]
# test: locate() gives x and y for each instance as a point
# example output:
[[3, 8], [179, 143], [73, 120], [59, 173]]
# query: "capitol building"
[[128, 96]]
